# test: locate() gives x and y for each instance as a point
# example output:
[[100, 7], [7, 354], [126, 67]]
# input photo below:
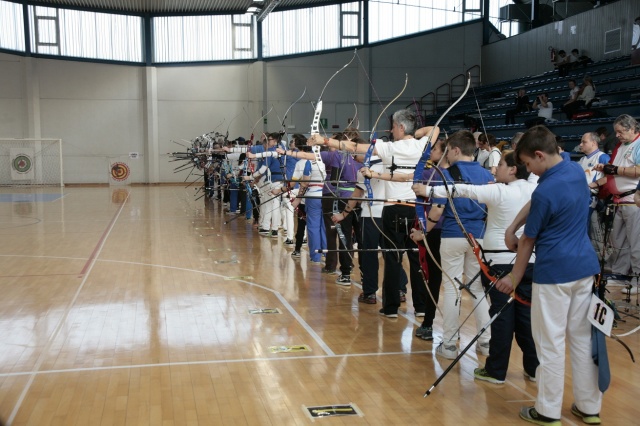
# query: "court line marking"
[[63, 319], [330, 354]]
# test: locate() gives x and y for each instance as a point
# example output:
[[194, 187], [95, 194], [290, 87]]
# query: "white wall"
[[106, 111]]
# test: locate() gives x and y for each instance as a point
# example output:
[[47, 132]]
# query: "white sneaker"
[[529, 377], [483, 348], [448, 352]]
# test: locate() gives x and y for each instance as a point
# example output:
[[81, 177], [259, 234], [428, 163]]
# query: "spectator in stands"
[[489, 143], [562, 63], [585, 96], [545, 111], [607, 142], [635, 42], [573, 91], [622, 176], [521, 105]]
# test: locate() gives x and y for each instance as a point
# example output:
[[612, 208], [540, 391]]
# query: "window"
[[11, 26], [85, 34], [313, 29], [203, 38], [396, 18]]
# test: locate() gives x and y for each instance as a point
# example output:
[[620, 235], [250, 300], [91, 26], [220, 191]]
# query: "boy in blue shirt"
[[456, 253], [562, 278]]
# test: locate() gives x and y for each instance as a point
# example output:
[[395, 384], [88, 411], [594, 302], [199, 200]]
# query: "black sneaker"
[[532, 416], [344, 280], [263, 231], [304, 242], [590, 419], [274, 234], [381, 312], [424, 332], [295, 253], [289, 242]]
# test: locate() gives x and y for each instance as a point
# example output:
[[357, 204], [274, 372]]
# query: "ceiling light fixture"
[[272, 5]]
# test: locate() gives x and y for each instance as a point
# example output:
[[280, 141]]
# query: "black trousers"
[[302, 225], [435, 277], [369, 264], [331, 259], [397, 221], [514, 319]]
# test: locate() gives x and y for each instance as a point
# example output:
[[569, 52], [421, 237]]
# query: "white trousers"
[[458, 259], [559, 315], [271, 217], [288, 213], [625, 240]]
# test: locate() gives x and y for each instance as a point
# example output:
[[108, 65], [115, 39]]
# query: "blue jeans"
[[316, 236]]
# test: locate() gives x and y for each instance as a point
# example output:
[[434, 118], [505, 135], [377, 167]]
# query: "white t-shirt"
[[317, 172], [493, 159], [482, 156], [406, 153], [627, 156], [378, 189], [547, 112], [588, 163], [503, 202]]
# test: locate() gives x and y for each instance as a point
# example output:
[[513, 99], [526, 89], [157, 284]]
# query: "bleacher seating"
[[617, 92]]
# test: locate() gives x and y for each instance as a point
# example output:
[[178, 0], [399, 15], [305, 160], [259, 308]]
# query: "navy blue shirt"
[[559, 210], [471, 213]]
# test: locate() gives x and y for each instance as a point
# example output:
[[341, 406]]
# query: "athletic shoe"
[[482, 374], [304, 242], [424, 332], [330, 271], [344, 280], [369, 300], [295, 253], [381, 312], [448, 352], [532, 416], [419, 314], [289, 242], [274, 234], [530, 377], [483, 348], [403, 296], [263, 231], [317, 262], [590, 419]]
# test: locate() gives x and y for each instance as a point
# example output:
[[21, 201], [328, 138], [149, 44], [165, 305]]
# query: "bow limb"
[[419, 170], [286, 113], [367, 158], [259, 120]]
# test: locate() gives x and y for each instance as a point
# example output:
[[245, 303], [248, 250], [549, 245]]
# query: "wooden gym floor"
[[130, 306]]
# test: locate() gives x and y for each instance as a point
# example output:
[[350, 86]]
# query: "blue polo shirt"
[[559, 210], [471, 213]]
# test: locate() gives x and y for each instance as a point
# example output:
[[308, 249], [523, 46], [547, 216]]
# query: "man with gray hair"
[[621, 177], [399, 159]]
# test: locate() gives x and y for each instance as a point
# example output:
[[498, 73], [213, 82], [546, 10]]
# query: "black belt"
[[624, 194]]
